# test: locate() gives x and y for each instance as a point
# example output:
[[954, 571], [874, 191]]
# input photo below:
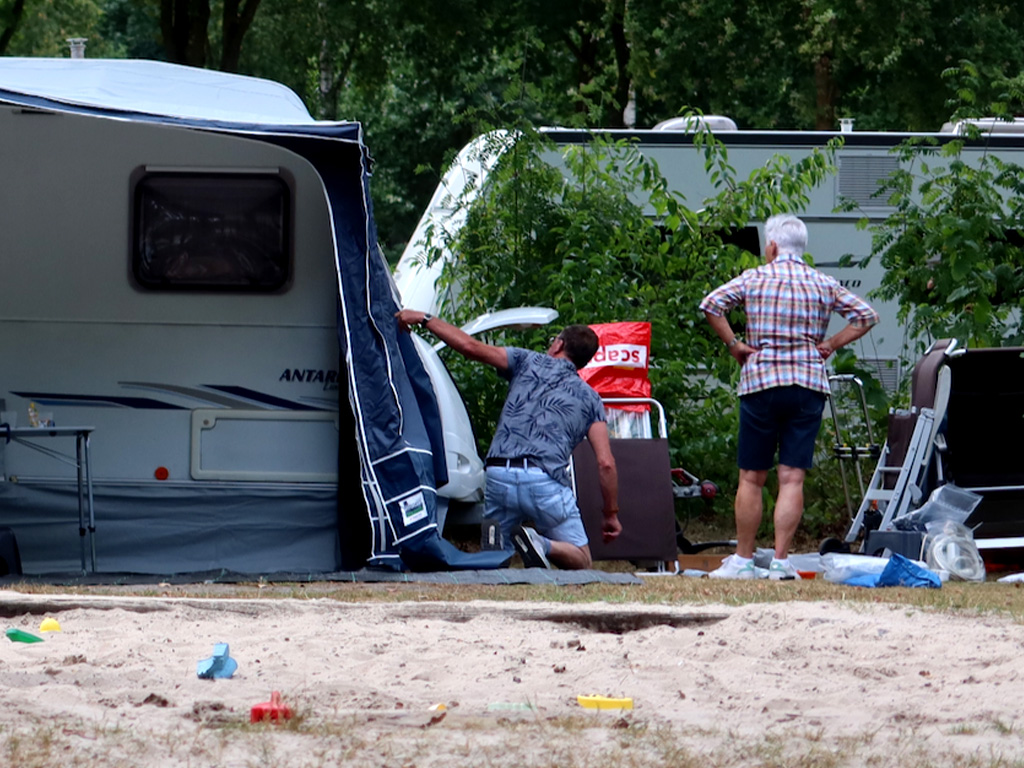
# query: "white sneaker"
[[782, 570], [735, 568]]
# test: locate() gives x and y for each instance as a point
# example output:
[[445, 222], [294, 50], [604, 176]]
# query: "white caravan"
[[175, 289], [864, 161]]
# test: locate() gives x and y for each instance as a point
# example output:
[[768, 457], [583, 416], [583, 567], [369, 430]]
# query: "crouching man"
[[549, 410]]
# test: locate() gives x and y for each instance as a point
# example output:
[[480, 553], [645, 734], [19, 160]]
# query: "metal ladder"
[[895, 502], [842, 449]]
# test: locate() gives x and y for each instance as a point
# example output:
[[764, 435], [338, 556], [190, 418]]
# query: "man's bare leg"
[[789, 508], [748, 510], [568, 556]]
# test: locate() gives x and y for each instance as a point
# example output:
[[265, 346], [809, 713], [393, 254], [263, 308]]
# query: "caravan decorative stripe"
[[98, 401], [259, 397]]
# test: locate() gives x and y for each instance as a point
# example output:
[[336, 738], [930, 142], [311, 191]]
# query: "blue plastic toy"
[[219, 665]]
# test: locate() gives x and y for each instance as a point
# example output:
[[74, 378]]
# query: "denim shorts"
[[786, 419], [514, 496]]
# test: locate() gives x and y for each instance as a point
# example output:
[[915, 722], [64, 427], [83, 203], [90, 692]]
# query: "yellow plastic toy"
[[604, 702], [49, 625]]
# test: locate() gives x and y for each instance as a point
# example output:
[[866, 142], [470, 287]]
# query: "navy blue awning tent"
[[398, 426]]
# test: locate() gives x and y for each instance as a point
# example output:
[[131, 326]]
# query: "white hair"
[[788, 232]]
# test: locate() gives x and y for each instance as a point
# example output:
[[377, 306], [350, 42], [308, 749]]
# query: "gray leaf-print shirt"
[[547, 413]]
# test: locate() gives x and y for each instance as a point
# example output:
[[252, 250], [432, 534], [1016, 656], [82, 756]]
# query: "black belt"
[[523, 462]]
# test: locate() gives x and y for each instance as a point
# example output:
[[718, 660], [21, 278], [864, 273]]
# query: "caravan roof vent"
[[77, 47], [985, 125], [692, 122]]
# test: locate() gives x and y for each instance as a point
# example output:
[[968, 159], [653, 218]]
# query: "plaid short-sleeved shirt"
[[788, 305]]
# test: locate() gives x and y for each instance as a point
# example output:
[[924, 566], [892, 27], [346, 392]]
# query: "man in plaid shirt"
[[783, 383]]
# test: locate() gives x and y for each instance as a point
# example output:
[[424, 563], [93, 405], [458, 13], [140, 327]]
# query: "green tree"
[[598, 236], [581, 56], [803, 64], [42, 27], [425, 77], [408, 71], [131, 29], [447, 74], [953, 248]]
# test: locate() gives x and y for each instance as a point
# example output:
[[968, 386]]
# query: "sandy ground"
[[496, 684]]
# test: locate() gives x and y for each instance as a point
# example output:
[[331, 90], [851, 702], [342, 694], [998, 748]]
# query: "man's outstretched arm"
[[457, 339]]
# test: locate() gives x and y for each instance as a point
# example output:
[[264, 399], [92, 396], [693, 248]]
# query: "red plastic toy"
[[270, 710]]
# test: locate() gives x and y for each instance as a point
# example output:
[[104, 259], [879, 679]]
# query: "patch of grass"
[[1000, 727], [958, 597], [964, 729], [577, 740]]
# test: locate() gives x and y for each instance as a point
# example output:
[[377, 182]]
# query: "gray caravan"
[[190, 270]]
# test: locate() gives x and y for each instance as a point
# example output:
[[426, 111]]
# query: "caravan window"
[[746, 238], [211, 231]]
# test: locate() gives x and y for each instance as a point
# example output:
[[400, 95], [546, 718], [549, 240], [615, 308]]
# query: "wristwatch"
[[427, 317], [734, 342]]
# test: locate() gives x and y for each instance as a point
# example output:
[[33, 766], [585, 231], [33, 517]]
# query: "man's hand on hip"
[[741, 351]]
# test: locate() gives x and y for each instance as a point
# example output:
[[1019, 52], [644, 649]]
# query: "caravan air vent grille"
[[860, 177]]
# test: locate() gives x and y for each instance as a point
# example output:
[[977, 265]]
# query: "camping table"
[[80, 461]]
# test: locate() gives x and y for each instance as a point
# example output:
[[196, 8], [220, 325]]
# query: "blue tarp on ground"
[[898, 572]]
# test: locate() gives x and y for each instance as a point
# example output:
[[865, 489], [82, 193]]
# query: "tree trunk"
[[8, 32], [235, 26], [623, 83], [826, 94], [184, 28], [328, 84], [585, 53], [327, 90]]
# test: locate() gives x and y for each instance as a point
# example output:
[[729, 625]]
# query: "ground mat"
[[365, 576]]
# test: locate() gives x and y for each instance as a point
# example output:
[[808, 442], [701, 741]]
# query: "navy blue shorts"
[[786, 419]]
